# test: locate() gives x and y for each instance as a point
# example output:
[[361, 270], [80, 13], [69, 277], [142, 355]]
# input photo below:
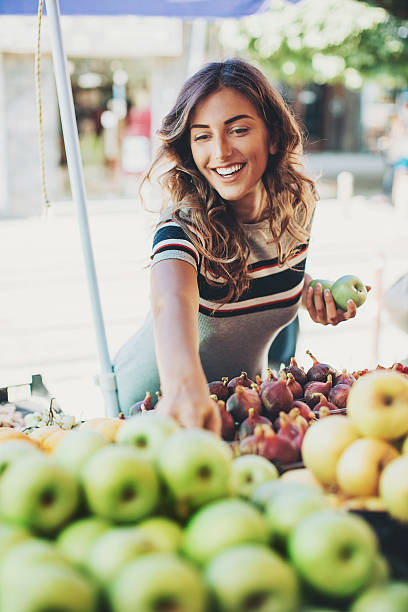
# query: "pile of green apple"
[[365, 454], [165, 519]]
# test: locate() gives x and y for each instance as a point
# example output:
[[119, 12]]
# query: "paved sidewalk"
[[45, 317]]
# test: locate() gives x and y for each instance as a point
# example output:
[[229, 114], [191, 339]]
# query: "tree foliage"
[[324, 41]]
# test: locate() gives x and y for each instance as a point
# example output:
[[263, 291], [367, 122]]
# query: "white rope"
[[39, 108]]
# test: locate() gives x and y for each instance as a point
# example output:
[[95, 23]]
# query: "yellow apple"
[[9, 433], [394, 488], [360, 465], [404, 448], [107, 426], [301, 475], [323, 444], [41, 433], [378, 404], [53, 439]]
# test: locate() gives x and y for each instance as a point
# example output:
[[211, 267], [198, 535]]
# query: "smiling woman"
[[229, 252]]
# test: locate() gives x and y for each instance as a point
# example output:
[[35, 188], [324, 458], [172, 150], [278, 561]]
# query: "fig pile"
[[270, 416]]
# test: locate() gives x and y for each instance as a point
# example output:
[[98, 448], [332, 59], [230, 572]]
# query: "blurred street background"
[[342, 65]]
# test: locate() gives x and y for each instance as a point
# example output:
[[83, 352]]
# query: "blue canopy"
[[164, 8]]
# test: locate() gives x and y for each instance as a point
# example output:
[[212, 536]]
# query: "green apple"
[[147, 431], [222, 524], [119, 485], [389, 597], [158, 582], [76, 448], [333, 552], [248, 472], [113, 549], [377, 404], [252, 577], [195, 464], [10, 536], [347, 288], [288, 507], [37, 492], [326, 284], [167, 533], [360, 465], [27, 554], [49, 586], [394, 488], [323, 444], [77, 538], [268, 490], [10, 450]]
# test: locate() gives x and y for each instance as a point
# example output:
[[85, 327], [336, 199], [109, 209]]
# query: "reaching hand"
[[323, 308], [192, 412]]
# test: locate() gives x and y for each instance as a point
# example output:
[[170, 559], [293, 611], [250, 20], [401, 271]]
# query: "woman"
[[229, 252]]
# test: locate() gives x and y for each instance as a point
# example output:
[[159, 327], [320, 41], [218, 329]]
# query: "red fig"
[[219, 388], [142, 406], [295, 387], [323, 402], [338, 395], [240, 402], [276, 396], [247, 427], [241, 380], [227, 422], [270, 377], [305, 411], [268, 444], [314, 387], [298, 373], [345, 378], [319, 371], [286, 427]]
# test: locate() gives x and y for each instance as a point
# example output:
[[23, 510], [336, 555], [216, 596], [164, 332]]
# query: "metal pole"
[[70, 132]]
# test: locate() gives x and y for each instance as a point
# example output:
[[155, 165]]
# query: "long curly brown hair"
[[190, 200]]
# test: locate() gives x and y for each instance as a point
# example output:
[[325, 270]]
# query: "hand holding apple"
[[330, 303]]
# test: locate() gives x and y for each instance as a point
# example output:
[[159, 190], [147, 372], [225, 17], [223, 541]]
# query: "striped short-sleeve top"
[[234, 336]]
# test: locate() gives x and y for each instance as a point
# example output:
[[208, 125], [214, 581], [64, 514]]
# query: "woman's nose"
[[222, 148]]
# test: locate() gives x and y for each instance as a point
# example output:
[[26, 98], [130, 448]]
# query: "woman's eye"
[[200, 137], [239, 131]]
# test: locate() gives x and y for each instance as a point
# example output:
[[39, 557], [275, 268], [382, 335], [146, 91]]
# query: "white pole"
[[71, 141]]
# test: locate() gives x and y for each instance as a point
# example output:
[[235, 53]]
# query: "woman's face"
[[230, 145]]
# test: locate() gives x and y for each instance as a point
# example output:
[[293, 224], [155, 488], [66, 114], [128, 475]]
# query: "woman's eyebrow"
[[226, 122]]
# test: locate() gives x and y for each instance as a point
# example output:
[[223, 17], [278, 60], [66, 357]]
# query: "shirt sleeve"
[[171, 242]]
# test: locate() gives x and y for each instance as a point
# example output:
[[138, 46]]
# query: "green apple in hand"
[[158, 582], [37, 492], [77, 538], [222, 524], [334, 552], [252, 577], [119, 485], [326, 284], [346, 288]]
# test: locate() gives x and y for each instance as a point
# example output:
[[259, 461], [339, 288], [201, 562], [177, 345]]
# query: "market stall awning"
[[164, 8]]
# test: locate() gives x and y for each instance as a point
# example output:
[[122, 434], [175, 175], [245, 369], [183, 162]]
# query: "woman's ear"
[[272, 148]]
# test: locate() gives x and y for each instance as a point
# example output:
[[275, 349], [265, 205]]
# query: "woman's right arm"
[[174, 298]]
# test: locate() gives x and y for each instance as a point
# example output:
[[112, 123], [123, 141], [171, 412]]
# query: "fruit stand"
[[303, 505]]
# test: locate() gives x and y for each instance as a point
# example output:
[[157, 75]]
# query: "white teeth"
[[230, 170]]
